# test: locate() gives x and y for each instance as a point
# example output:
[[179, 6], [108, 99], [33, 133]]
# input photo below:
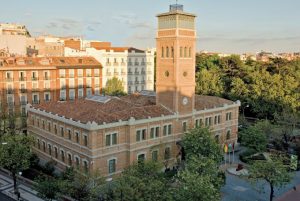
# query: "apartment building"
[[36, 80], [134, 67], [109, 133]]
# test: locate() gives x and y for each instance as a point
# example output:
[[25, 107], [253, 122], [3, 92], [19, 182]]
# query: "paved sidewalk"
[[6, 187], [292, 195]]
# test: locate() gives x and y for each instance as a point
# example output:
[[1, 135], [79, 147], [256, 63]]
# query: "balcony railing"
[[116, 73], [35, 90], [80, 86], [123, 64], [97, 85], [136, 82], [143, 82], [89, 75], [143, 72], [22, 78], [23, 90], [88, 86], [23, 102], [136, 73], [108, 64], [130, 73], [123, 73], [116, 64], [71, 87], [62, 75], [143, 63], [36, 102], [96, 74], [130, 63], [130, 82], [9, 91], [80, 75], [63, 87], [136, 63], [46, 78], [47, 89], [9, 79], [34, 78], [71, 75]]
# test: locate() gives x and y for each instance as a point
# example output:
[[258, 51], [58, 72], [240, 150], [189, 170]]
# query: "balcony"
[[9, 79], [80, 75], [136, 73], [63, 87], [34, 78], [130, 73], [143, 63], [97, 85], [116, 64], [88, 86], [130, 83], [71, 75], [136, 82], [136, 63], [62, 76], [35, 90], [23, 102], [36, 102], [143, 82], [89, 75], [116, 73], [123, 73], [23, 90], [46, 78], [21, 79], [123, 64], [11, 103], [130, 63], [96, 74], [108, 64], [143, 72], [80, 86], [9, 91], [71, 87], [47, 89]]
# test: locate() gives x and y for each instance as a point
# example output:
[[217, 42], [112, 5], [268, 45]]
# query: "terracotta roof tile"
[[202, 102]]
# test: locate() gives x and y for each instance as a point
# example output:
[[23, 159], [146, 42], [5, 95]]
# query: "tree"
[[272, 171], [142, 181], [48, 188], [201, 178], [209, 83], [253, 138], [15, 154], [114, 87]]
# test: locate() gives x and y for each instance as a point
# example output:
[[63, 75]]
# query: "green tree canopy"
[[272, 171], [114, 87], [253, 138]]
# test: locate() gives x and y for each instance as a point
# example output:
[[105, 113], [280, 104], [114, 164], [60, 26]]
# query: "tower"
[[175, 73]]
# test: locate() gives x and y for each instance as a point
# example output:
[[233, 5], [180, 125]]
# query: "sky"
[[228, 26]]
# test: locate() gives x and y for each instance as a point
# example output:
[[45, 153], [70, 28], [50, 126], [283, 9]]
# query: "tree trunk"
[[272, 192], [15, 182]]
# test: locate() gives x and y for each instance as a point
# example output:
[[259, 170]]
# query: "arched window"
[[172, 52], [180, 51], [162, 52], [185, 52], [190, 52], [167, 52]]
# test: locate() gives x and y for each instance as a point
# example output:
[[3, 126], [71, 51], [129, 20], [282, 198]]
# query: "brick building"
[[109, 133], [36, 80]]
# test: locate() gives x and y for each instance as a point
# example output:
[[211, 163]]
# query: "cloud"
[[28, 14], [130, 19]]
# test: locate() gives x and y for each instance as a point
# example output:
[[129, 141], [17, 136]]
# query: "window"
[[62, 153], [77, 162], [77, 137], [184, 126], [85, 140], [197, 123], [85, 166], [216, 120], [62, 131], [185, 52], [141, 157], [228, 116], [167, 153], [69, 159], [112, 166], [167, 52], [55, 129], [141, 135], [181, 49], [155, 155], [162, 52], [167, 129], [38, 144], [228, 134], [111, 139], [44, 146], [49, 126], [69, 134], [154, 132], [190, 52], [56, 152], [210, 121], [219, 119], [217, 138], [172, 52], [49, 149]]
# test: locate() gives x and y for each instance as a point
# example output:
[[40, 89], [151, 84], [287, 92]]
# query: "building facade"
[[110, 133], [36, 80], [134, 67]]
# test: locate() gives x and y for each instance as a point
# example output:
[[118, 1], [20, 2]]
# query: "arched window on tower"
[[190, 52], [162, 52], [185, 51], [167, 52], [172, 52], [181, 51]]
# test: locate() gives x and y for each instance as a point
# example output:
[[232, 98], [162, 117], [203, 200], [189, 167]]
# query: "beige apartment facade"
[[109, 133], [37, 80]]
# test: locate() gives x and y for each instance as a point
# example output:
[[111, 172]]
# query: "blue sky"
[[231, 26]]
